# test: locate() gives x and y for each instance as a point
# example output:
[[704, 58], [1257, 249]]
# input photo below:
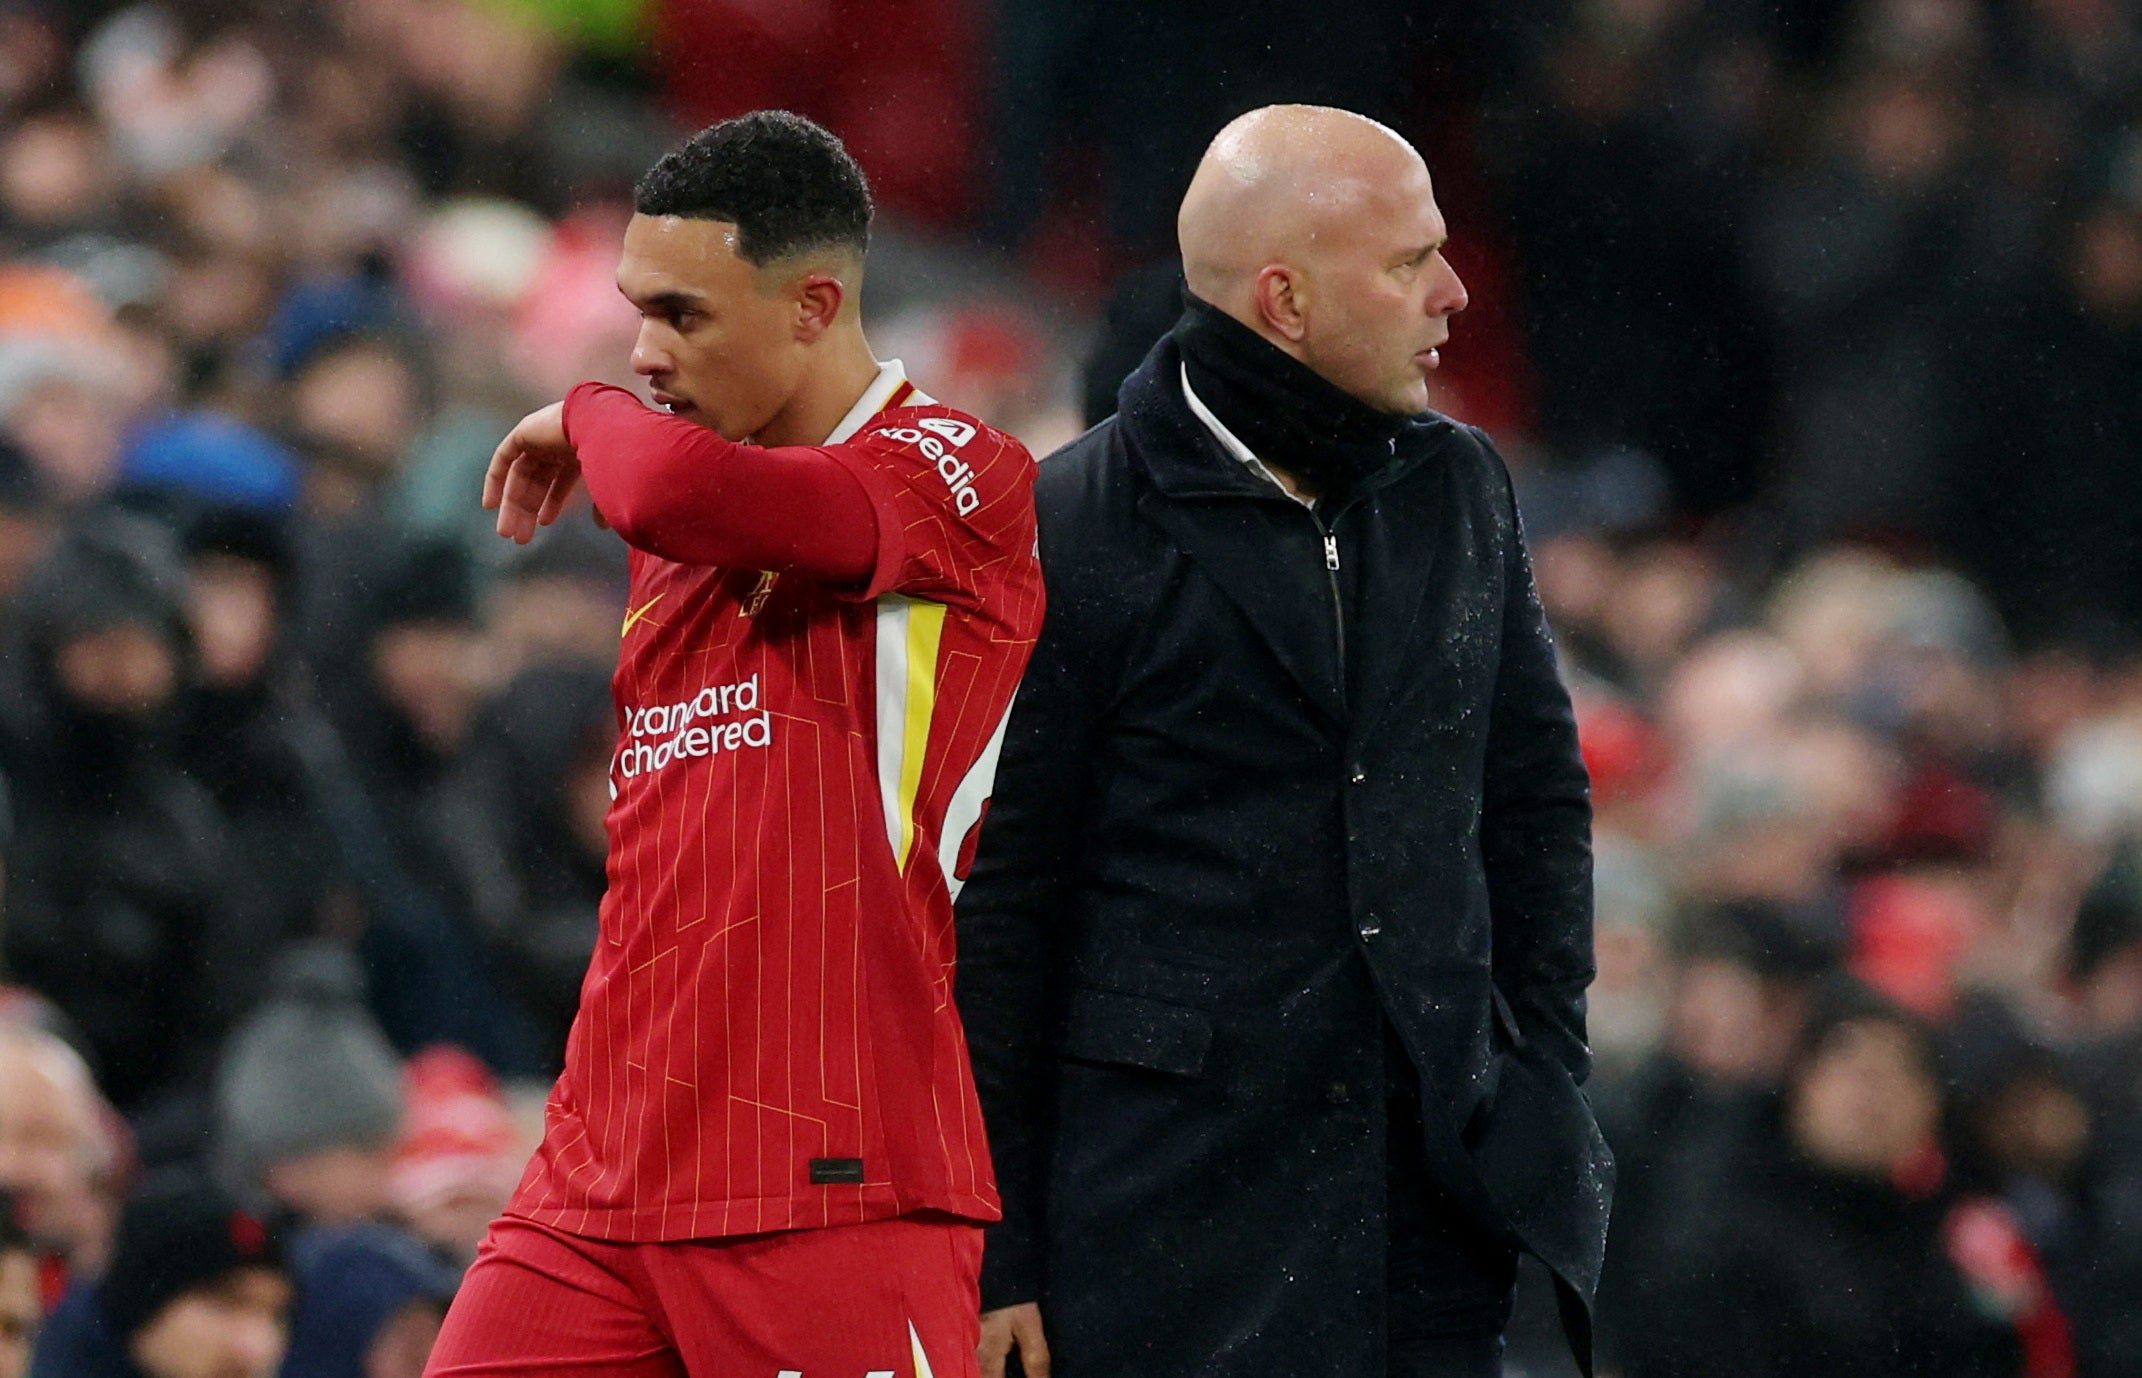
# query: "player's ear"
[[1283, 300], [818, 298]]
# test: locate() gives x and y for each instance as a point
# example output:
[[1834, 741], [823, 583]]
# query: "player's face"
[[1381, 296], [718, 339]]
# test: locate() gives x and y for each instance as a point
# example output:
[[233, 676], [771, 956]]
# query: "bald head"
[[1275, 185], [1318, 228], [54, 1148]]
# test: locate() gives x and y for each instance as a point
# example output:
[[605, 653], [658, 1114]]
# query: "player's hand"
[[533, 474], [1014, 1328]]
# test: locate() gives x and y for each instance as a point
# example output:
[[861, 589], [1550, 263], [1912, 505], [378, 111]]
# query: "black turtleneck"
[[1291, 417]]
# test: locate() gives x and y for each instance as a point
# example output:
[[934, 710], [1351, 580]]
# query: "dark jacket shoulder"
[[1080, 481]]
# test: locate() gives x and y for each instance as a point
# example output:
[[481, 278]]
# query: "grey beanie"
[[307, 1071]]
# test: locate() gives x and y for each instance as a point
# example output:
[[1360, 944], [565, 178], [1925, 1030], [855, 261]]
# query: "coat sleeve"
[[1536, 820], [1015, 917]]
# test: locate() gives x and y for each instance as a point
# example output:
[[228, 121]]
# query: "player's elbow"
[[646, 509]]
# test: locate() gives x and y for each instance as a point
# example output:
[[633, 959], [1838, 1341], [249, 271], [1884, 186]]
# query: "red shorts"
[[889, 1299]]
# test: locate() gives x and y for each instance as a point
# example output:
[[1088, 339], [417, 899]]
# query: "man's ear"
[[818, 301], [1283, 301]]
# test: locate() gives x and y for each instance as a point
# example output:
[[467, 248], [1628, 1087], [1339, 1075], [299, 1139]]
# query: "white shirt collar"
[[891, 374], [1232, 443]]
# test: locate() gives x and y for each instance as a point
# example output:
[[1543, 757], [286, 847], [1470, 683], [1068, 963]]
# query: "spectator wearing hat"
[[412, 691], [21, 1306], [350, 401], [210, 459], [393, 643], [56, 406], [461, 1153], [1741, 982], [556, 599], [369, 1303], [246, 729], [526, 828], [117, 867], [309, 1095], [198, 1288], [357, 400], [1840, 1243]]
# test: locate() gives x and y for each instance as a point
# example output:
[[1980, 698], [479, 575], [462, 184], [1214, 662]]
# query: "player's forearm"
[[680, 491]]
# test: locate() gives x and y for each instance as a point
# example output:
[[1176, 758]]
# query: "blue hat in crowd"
[[351, 1281], [316, 312], [213, 458]]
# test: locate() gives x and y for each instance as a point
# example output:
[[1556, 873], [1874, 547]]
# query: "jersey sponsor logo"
[[719, 718], [940, 439]]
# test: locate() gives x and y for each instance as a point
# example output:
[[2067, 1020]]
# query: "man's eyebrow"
[[670, 302], [1421, 256]]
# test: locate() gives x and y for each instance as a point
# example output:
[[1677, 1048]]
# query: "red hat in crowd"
[[459, 1136], [1623, 752], [1909, 937]]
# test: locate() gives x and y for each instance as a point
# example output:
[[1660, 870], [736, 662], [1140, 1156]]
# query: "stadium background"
[[1814, 329]]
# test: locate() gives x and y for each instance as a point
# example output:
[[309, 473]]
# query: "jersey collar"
[[889, 388]]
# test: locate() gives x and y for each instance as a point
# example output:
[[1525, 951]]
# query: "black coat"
[[1250, 812], [1795, 1269], [1681, 1147], [114, 883]]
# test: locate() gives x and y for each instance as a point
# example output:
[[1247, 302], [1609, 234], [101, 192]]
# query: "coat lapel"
[[1255, 544], [1400, 543], [1266, 560]]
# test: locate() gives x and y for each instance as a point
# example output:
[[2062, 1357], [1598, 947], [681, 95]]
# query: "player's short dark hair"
[[784, 181]]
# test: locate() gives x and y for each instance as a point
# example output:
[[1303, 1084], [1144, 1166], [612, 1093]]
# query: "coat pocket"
[[1505, 1017], [1122, 1030]]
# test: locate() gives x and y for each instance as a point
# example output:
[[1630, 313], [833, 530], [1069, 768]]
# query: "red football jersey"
[[766, 1037]]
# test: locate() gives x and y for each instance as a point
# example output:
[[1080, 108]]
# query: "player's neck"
[[845, 373]]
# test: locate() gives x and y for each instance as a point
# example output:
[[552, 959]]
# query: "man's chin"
[[1410, 399], [705, 422], [726, 429]]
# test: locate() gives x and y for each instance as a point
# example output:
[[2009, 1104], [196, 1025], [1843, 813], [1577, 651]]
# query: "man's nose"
[[648, 357], [1451, 296]]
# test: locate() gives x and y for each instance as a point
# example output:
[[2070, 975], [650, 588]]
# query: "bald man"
[[57, 1154], [1273, 956]]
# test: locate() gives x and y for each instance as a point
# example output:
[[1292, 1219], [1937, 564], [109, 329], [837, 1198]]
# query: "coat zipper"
[[1331, 577]]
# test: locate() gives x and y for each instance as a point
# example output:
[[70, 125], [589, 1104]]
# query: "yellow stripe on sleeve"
[[925, 627]]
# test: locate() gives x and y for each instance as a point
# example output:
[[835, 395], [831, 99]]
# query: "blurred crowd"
[[1813, 329], [304, 779], [1834, 315]]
